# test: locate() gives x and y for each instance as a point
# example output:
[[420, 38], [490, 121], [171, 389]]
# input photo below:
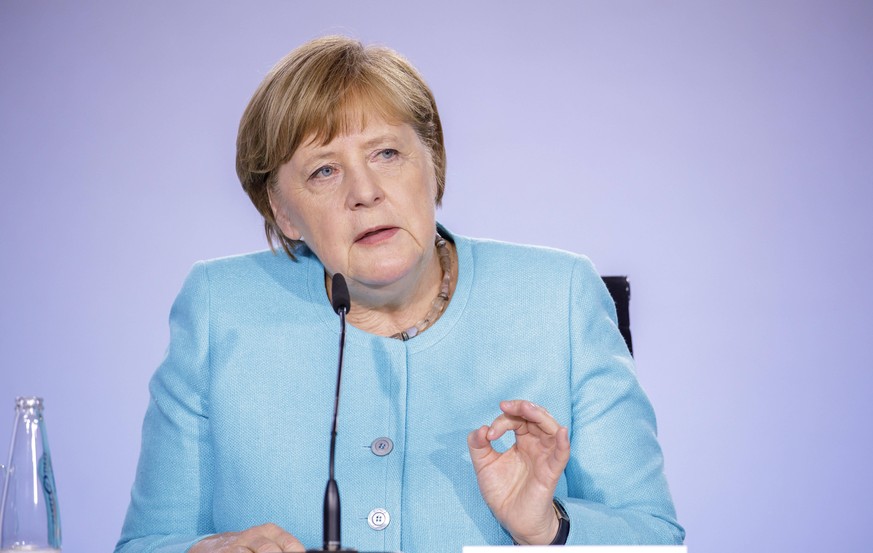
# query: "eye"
[[323, 172], [388, 153]]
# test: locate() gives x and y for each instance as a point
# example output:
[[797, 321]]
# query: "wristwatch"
[[563, 524]]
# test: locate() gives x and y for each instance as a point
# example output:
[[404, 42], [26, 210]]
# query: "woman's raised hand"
[[519, 484], [267, 538]]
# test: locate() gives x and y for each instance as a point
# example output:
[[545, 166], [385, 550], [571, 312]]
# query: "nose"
[[363, 188]]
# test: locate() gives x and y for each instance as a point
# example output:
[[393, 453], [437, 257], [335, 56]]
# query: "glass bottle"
[[29, 517]]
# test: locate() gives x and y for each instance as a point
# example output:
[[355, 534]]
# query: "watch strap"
[[563, 524]]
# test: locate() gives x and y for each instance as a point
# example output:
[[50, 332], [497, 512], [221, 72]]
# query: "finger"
[[505, 423], [563, 445], [523, 417], [527, 410], [555, 462], [270, 538], [291, 544], [262, 544], [269, 529], [284, 539], [531, 412]]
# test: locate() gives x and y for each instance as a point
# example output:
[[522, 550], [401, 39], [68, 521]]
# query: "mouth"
[[375, 234]]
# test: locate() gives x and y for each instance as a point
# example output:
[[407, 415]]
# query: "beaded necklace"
[[441, 301]]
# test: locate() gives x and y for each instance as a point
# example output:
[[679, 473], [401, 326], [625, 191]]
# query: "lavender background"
[[720, 153]]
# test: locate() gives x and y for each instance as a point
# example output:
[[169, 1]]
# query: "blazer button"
[[381, 446], [378, 519]]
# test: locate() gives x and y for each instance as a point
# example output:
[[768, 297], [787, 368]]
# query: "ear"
[[281, 216]]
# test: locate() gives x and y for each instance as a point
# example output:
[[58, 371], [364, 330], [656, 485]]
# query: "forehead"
[[358, 110]]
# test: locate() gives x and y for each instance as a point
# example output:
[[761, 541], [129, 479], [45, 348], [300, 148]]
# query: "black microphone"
[[339, 299], [341, 303]]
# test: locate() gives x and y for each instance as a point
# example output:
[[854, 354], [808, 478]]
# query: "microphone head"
[[339, 294]]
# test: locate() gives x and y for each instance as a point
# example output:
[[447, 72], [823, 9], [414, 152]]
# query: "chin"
[[385, 273]]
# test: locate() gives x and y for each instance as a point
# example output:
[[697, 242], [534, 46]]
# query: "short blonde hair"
[[321, 90]]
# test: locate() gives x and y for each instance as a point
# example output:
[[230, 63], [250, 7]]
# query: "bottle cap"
[[28, 402]]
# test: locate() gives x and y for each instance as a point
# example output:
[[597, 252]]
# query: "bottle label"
[[47, 477]]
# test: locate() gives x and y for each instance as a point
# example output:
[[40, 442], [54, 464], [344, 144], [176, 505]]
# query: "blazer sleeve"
[[170, 505], [617, 491]]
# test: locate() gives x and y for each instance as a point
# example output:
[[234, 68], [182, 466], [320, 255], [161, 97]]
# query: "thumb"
[[480, 447]]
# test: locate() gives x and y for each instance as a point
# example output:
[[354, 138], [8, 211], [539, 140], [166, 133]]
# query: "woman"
[[341, 151]]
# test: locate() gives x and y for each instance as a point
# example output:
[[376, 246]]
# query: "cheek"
[[430, 172], [427, 177], [431, 193], [289, 218]]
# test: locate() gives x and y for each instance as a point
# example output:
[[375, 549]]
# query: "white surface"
[[581, 548]]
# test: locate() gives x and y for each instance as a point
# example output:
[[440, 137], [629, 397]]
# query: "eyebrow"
[[318, 154], [381, 138]]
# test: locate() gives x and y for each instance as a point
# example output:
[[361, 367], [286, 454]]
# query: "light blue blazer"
[[237, 429]]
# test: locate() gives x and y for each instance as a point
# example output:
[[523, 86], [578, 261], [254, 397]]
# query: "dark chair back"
[[619, 289]]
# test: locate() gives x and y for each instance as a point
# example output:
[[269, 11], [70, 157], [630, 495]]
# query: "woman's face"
[[364, 203]]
